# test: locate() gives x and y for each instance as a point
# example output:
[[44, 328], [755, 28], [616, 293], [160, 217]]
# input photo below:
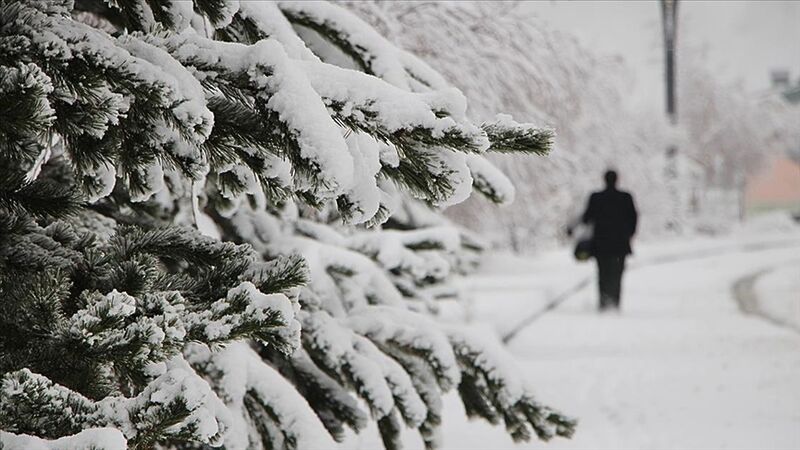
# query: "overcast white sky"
[[743, 40]]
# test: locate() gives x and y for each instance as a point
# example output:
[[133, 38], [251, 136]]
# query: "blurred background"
[[595, 71]]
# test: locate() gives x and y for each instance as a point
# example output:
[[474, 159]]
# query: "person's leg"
[[603, 281], [618, 267], [621, 274]]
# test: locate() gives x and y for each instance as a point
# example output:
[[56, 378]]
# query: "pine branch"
[[278, 275], [31, 404], [25, 113], [40, 198], [494, 395], [273, 141], [508, 136], [179, 244], [331, 401]]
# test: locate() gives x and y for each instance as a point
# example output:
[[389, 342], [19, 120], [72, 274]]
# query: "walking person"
[[612, 215]]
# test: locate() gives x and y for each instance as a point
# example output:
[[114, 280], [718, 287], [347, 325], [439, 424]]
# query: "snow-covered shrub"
[[215, 229]]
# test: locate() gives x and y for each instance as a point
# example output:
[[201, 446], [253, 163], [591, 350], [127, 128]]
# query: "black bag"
[[583, 249], [583, 241]]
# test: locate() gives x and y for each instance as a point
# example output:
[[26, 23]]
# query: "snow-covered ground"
[[681, 367], [774, 287]]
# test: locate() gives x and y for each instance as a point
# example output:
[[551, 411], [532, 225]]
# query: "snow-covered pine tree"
[[187, 185]]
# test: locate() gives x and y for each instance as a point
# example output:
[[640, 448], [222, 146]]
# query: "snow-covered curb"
[[778, 294]]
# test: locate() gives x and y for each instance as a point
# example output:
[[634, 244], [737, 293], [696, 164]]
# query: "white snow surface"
[[778, 293], [96, 438], [406, 398], [680, 367]]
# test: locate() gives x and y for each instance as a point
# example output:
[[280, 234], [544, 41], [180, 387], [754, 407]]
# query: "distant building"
[[778, 185]]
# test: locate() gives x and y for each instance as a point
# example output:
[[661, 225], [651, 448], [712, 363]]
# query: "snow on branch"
[[410, 333], [490, 181], [255, 393], [374, 54], [342, 278], [96, 80], [28, 114], [177, 404], [491, 388], [409, 251], [246, 312], [104, 438], [509, 136], [332, 401], [259, 20], [367, 103], [352, 359], [281, 88]]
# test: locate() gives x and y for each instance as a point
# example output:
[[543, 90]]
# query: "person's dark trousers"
[[609, 274]]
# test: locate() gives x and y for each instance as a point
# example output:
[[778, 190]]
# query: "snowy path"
[[681, 367], [744, 289]]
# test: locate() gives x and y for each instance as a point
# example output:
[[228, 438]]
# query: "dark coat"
[[613, 217]]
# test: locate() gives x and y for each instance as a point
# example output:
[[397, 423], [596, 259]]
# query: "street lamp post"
[[669, 22], [669, 16]]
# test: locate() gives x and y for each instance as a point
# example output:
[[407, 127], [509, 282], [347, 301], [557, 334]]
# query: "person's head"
[[611, 179]]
